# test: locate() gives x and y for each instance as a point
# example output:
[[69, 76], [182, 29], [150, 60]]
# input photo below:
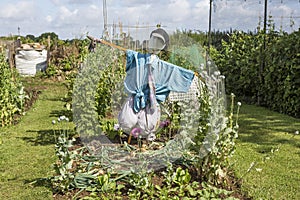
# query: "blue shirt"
[[167, 77]]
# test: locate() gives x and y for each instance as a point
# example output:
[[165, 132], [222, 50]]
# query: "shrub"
[[268, 76]]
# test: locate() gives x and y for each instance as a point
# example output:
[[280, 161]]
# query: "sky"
[[71, 19]]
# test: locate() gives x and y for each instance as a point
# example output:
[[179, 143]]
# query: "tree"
[[30, 38], [45, 35], [42, 39]]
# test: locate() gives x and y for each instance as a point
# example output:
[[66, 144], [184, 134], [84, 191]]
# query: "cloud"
[[66, 17], [17, 11], [130, 3], [49, 18], [178, 10], [167, 12], [239, 14], [75, 21], [56, 2], [199, 18], [79, 1], [248, 14], [282, 9]]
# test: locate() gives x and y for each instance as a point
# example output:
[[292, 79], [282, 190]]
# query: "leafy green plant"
[[12, 94], [214, 166], [140, 185], [108, 127], [64, 177], [212, 192], [104, 184], [181, 177], [178, 184]]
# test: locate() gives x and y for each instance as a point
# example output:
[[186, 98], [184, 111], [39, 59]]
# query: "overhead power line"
[[268, 6], [258, 1], [105, 16]]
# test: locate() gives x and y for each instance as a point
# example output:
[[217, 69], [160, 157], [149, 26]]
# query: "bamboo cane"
[[106, 43]]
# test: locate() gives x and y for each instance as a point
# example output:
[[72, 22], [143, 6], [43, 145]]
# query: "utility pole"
[[265, 16], [265, 29], [263, 56], [209, 37], [209, 26], [105, 31]]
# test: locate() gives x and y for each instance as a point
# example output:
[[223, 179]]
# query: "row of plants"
[[263, 68], [12, 94]]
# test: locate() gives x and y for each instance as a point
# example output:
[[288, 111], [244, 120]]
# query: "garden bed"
[[232, 189]]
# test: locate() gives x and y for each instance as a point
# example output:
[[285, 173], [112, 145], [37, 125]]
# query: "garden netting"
[[99, 94]]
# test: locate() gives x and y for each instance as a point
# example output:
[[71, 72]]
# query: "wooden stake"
[[106, 43], [129, 139], [48, 50]]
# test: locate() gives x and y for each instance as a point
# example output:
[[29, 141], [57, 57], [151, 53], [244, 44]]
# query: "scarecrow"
[[148, 82]]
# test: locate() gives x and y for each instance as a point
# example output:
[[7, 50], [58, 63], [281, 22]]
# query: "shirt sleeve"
[[130, 59], [169, 77]]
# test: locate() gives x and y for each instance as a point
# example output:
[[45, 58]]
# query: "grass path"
[[27, 149], [268, 147]]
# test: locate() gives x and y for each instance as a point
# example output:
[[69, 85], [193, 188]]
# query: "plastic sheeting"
[[29, 62]]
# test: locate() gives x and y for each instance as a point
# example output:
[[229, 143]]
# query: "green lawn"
[[267, 139], [27, 149]]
